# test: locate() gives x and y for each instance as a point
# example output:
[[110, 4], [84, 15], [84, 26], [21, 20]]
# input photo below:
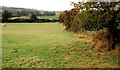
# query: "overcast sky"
[[48, 5]]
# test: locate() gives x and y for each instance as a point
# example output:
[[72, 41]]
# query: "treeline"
[[94, 16], [28, 13], [32, 14], [17, 12], [32, 18]]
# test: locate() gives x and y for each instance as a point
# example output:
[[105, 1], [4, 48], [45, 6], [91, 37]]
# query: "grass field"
[[22, 17], [48, 17], [47, 45], [39, 17], [57, 13]]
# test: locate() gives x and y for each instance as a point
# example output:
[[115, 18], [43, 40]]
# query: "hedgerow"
[[93, 16]]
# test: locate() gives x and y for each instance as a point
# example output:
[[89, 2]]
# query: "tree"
[[47, 13], [33, 17], [108, 11], [24, 13], [38, 13], [6, 15]]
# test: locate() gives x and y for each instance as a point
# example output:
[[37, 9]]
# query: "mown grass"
[[46, 45]]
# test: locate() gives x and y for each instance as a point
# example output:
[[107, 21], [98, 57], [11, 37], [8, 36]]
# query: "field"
[[48, 17], [39, 17], [57, 13], [22, 17], [47, 45]]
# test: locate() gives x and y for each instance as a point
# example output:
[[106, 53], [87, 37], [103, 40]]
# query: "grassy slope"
[[48, 46]]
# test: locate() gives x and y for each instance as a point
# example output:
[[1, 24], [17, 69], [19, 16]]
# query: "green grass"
[[22, 17], [48, 17], [46, 45], [57, 13]]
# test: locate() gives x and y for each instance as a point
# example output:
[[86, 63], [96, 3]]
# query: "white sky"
[[48, 5]]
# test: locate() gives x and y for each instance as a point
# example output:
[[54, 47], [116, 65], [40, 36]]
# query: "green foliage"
[[18, 12], [47, 13], [89, 15], [33, 17], [6, 15]]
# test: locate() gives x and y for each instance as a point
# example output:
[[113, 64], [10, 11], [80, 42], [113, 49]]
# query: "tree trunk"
[[112, 30], [113, 35]]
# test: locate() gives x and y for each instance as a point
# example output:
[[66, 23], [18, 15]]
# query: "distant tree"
[[6, 15], [33, 17], [52, 13], [31, 12], [38, 13], [18, 13], [47, 13], [24, 13]]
